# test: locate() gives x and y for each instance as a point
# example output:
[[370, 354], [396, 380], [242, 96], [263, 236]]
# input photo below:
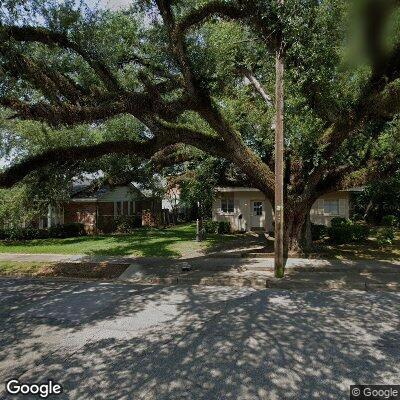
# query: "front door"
[[257, 214]]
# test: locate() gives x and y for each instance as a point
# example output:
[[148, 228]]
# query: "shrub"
[[389, 220], [345, 231], [339, 221], [360, 232], [340, 234], [3, 234], [19, 233], [72, 229], [224, 227], [29, 233], [386, 236], [318, 231], [126, 224], [211, 226]]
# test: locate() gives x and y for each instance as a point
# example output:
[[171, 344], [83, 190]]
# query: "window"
[[257, 208], [131, 208], [331, 207], [227, 205]]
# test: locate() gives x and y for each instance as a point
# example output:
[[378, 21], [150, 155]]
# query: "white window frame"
[[230, 201]]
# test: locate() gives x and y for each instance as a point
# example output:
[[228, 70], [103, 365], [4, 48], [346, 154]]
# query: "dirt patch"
[[84, 270], [103, 270]]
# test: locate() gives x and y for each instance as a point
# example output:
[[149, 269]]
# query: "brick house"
[[98, 208]]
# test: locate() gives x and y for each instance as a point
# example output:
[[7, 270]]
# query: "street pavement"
[[115, 340]]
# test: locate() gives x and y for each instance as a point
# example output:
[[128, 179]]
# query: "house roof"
[[236, 189], [356, 189], [247, 189], [93, 192]]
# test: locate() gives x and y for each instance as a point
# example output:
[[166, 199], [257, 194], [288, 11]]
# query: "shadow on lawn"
[[207, 344], [145, 242], [370, 250]]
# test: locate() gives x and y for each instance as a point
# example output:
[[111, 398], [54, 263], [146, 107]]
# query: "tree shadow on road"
[[156, 342]]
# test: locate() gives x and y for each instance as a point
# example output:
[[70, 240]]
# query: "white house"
[[248, 209]]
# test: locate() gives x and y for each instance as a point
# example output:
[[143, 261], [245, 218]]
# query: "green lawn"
[[170, 242]]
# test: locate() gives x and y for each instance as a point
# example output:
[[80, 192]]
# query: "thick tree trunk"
[[297, 235]]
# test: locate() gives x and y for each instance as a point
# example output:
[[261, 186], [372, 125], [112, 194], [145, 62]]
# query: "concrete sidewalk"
[[301, 274]]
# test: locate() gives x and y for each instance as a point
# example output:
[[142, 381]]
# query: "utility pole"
[[279, 149]]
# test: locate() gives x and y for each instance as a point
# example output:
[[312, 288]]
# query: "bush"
[[340, 234], [72, 229], [339, 221], [224, 227], [19, 233], [126, 224], [318, 231], [360, 232], [386, 236], [344, 231], [29, 233], [3, 234], [211, 226], [389, 220]]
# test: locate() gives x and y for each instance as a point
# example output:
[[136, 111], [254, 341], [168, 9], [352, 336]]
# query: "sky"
[[110, 4]]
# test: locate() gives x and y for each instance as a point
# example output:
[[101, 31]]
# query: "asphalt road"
[[120, 341]]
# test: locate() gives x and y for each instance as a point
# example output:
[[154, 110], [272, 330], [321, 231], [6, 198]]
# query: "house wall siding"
[[320, 217], [243, 206]]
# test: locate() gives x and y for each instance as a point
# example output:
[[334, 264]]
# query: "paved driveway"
[[120, 341]]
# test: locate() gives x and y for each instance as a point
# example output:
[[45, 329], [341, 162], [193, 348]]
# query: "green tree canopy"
[[200, 75]]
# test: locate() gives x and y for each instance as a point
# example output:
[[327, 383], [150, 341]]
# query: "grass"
[[180, 241], [170, 242], [71, 270]]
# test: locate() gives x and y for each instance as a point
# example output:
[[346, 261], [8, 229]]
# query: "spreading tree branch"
[[63, 114], [205, 12], [51, 83], [144, 149], [51, 38]]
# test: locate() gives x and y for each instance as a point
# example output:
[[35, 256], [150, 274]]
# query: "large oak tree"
[[199, 75]]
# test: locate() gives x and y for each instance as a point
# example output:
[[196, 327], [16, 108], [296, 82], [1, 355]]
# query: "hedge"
[[211, 226], [58, 231], [221, 227], [344, 231], [224, 227]]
